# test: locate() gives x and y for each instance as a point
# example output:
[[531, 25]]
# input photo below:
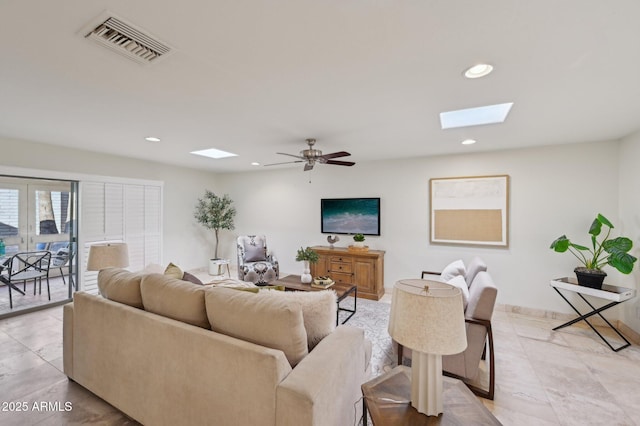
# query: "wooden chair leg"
[[483, 393], [400, 352]]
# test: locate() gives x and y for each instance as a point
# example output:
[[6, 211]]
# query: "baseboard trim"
[[629, 333]]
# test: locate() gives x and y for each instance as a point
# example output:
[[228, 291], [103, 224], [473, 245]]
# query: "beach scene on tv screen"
[[350, 216]]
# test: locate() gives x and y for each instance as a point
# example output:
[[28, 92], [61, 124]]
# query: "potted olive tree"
[[306, 255], [607, 251], [216, 213]]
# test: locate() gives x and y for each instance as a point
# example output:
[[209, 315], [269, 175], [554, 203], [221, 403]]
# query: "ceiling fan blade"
[[335, 155], [308, 166], [340, 163], [286, 162], [291, 155]]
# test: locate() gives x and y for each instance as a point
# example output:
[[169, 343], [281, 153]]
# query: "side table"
[[215, 266], [388, 399], [614, 294]]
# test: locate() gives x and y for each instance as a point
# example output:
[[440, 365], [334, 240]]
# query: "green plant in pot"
[[306, 255], [606, 251], [358, 240], [216, 213]]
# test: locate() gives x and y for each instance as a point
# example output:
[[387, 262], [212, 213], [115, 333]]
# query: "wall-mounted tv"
[[350, 216]]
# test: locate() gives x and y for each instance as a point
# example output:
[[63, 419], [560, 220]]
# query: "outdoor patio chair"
[[27, 266]]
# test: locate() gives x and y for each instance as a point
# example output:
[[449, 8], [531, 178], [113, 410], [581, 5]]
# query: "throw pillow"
[[191, 278], [452, 270], [174, 271], [476, 265], [255, 253], [458, 281]]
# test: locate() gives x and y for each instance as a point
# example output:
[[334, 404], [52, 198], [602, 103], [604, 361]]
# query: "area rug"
[[373, 318]]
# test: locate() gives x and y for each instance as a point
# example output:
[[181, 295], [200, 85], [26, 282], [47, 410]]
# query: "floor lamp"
[[427, 317], [110, 255]]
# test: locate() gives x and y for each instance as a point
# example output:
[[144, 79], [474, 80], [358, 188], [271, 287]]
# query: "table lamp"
[[109, 255], [427, 317]]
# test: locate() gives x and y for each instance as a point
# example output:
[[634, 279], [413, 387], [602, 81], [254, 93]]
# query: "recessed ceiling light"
[[255, 163], [152, 139], [214, 153], [479, 70], [489, 114], [468, 142]]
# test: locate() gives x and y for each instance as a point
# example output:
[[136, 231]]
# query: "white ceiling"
[[366, 76]]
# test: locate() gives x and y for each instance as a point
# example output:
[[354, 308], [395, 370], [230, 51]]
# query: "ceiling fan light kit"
[[311, 155]]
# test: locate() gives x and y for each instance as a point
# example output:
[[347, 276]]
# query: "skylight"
[[489, 114], [214, 153]]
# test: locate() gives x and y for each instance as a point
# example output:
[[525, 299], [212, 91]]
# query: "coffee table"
[[388, 399], [293, 283]]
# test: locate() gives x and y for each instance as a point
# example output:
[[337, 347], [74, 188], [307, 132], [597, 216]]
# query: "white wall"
[[629, 226], [184, 241], [551, 193]]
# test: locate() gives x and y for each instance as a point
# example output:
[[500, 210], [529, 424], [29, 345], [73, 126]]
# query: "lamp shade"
[[111, 255], [430, 321]]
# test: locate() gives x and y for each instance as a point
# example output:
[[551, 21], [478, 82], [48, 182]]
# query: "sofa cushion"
[[318, 312], [273, 322], [482, 297], [120, 286], [173, 298], [453, 270]]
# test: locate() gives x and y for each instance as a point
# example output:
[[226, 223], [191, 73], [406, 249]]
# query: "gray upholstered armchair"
[[255, 262]]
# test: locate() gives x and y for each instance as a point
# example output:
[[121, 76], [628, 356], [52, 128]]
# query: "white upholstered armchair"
[[255, 262], [479, 305]]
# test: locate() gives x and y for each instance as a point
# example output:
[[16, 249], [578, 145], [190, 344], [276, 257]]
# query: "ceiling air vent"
[[126, 39]]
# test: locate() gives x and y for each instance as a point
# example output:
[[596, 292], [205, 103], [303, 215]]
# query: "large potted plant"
[[306, 255], [216, 213], [606, 251]]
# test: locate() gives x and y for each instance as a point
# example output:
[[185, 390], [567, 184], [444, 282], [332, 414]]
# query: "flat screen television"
[[350, 216]]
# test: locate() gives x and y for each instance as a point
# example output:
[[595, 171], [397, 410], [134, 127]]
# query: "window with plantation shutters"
[[116, 212]]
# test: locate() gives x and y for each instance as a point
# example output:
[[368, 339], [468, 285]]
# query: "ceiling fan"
[[310, 156]]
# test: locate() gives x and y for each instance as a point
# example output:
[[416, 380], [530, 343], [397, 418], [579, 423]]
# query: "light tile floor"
[[543, 377]]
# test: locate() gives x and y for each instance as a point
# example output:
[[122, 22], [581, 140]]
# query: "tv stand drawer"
[[346, 267]]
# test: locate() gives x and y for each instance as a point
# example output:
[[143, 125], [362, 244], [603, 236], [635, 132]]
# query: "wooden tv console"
[[365, 269]]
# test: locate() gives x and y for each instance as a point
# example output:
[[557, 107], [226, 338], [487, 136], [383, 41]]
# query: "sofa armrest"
[[324, 388], [67, 339]]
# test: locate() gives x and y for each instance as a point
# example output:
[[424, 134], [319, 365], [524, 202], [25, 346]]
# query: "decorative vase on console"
[[307, 255], [306, 273]]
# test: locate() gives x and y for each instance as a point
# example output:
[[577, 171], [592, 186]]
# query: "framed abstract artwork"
[[470, 210]]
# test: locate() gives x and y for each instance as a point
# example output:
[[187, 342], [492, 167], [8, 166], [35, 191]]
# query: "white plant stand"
[[216, 265]]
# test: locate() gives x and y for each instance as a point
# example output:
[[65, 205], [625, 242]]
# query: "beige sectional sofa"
[[167, 352]]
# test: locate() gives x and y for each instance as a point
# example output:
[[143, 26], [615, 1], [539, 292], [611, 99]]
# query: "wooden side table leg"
[[364, 412]]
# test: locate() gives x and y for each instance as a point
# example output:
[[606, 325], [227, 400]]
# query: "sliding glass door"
[[38, 215]]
